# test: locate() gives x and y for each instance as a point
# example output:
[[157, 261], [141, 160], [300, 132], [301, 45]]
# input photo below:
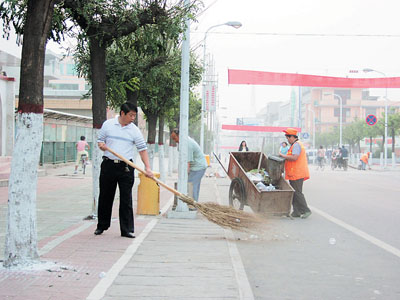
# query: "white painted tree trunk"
[[170, 162], [175, 160], [96, 163], [150, 150], [161, 162], [21, 237]]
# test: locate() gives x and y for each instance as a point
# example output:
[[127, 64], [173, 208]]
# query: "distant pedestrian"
[[197, 163], [320, 156], [243, 147], [284, 148], [120, 135], [296, 171], [81, 149]]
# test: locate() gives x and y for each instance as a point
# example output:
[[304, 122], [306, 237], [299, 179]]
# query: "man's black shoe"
[[128, 235], [98, 231]]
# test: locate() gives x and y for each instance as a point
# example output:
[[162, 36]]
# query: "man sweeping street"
[[296, 171], [197, 163], [121, 135]]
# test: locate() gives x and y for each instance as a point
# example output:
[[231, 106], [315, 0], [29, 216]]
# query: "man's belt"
[[115, 161]]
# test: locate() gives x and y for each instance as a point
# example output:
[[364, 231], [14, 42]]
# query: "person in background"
[[197, 163], [365, 161], [121, 135], [81, 148], [320, 156], [243, 147], [344, 152], [284, 148], [296, 171]]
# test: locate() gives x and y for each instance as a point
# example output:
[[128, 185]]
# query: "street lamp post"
[[340, 119], [313, 135], [386, 112], [233, 24]]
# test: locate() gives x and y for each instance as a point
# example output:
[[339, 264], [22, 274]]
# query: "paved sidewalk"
[[169, 259]]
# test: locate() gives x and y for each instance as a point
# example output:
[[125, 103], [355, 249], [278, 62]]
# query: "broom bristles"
[[226, 216]]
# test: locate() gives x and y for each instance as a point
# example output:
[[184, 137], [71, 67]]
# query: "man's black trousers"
[[111, 174]]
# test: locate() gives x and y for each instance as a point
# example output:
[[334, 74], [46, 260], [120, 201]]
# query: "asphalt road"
[[347, 249]]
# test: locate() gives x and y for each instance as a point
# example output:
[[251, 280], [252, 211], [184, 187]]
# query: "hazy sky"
[[318, 37], [348, 35]]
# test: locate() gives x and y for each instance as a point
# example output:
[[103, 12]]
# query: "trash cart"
[[243, 191]]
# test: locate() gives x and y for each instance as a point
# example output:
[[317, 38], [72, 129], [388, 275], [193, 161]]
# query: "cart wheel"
[[237, 194]]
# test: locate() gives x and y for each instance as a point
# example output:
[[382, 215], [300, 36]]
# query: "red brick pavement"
[[75, 265]]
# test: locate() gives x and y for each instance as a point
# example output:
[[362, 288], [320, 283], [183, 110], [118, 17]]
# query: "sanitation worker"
[[365, 160], [296, 171]]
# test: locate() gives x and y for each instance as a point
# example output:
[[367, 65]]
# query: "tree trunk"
[[98, 67], [21, 236], [151, 137], [370, 144], [99, 110]]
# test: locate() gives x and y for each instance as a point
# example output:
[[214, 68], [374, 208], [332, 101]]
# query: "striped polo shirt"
[[121, 139]]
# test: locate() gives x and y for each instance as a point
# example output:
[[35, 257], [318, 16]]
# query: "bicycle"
[[83, 162], [321, 163]]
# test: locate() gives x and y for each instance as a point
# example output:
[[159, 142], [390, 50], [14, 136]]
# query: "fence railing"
[[59, 152]]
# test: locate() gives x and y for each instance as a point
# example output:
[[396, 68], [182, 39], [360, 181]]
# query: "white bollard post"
[[381, 160], [393, 161]]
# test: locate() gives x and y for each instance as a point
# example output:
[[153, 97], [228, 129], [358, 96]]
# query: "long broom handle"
[[261, 155], [172, 190]]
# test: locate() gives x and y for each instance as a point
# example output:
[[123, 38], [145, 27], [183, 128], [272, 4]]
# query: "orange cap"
[[290, 131]]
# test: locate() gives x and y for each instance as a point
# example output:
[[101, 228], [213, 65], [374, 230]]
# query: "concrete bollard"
[[381, 160]]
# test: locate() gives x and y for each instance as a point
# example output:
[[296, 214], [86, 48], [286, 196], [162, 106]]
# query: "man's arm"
[[289, 157], [102, 146], [145, 159], [296, 151]]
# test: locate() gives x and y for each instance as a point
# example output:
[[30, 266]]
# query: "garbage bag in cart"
[[243, 191]]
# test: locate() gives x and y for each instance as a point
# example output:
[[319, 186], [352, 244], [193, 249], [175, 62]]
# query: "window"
[[71, 69], [346, 114], [65, 86], [345, 94]]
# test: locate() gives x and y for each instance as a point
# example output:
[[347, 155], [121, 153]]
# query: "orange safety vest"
[[297, 169], [364, 158]]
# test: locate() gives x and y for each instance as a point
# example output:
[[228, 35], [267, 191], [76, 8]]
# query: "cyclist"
[[81, 148]]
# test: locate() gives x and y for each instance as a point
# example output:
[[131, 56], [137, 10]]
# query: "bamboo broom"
[[222, 215]]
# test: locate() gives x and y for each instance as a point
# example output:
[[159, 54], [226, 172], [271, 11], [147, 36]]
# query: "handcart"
[[243, 191]]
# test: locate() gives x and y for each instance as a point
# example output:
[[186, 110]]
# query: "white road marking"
[[101, 288], [359, 232], [245, 291]]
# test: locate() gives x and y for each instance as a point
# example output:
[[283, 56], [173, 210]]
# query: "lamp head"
[[366, 70], [234, 24]]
